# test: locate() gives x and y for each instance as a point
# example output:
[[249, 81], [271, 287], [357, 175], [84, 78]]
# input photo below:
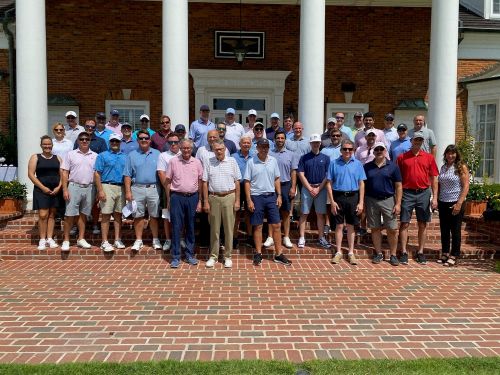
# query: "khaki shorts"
[[115, 199], [376, 210]]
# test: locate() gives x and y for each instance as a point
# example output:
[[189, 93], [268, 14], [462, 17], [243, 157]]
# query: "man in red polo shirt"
[[419, 172]]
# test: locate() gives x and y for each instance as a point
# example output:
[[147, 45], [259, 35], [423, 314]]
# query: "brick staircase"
[[19, 238]]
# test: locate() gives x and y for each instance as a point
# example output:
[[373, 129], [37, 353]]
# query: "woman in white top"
[[453, 188], [61, 144]]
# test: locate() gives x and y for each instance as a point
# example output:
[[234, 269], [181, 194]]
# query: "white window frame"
[[347, 108], [494, 14], [128, 104]]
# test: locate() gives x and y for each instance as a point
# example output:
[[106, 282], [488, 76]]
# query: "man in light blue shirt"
[[400, 145], [258, 133], [144, 119], [390, 131], [199, 128], [333, 151], [298, 143], [101, 131]]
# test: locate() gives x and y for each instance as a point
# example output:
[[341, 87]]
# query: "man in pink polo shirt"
[[77, 182]]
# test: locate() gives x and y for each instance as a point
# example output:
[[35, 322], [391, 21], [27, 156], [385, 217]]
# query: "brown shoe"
[[336, 258], [352, 259]]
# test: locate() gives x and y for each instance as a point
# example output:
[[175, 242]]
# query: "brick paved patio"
[[59, 311]]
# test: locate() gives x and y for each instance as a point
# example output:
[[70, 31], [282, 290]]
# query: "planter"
[[475, 208], [10, 205]]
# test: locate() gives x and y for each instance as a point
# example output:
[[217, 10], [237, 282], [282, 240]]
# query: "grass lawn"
[[476, 366]]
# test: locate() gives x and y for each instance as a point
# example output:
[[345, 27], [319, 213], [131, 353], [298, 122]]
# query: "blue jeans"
[[182, 211]]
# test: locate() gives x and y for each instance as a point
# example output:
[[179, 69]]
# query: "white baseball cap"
[[144, 116], [275, 115], [252, 112], [314, 138], [71, 113], [230, 110]]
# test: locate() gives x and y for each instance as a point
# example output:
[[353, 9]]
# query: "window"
[[485, 129], [495, 7], [130, 110]]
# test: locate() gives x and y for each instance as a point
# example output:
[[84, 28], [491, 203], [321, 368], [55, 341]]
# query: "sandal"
[[451, 262], [444, 258]]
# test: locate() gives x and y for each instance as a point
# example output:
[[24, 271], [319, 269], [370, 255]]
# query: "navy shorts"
[[286, 203], [265, 204]]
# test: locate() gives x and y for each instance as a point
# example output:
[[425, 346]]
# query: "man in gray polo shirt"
[[429, 144]]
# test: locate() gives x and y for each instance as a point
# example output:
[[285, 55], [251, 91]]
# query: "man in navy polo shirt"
[[312, 171], [383, 201], [346, 192], [263, 192]]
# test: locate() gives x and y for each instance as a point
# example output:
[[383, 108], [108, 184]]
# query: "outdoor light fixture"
[[348, 89], [240, 50]]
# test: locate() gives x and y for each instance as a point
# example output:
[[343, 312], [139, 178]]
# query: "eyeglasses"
[[144, 120], [378, 149], [58, 130], [339, 118], [89, 127], [336, 135], [126, 128], [173, 142], [347, 149], [70, 118], [84, 139], [114, 140], [223, 129], [143, 138], [165, 122], [259, 129]]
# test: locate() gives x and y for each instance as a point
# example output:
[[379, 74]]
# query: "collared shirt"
[[333, 152], [347, 130], [141, 166], [110, 165], [381, 181], [270, 132], [205, 152], [399, 147], [289, 135], [249, 132], [184, 174], [287, 162], [221, 174], [115, 129], [127, 146], [72, 133], [417, 170], [346, 176], [365, 154], [159, 140], [262, 175], [241, 160], [198, 132], [97, 144], [103, 135], [314, 166], [299, 146], [230, 146], [164, 159], [360, 140], [326, 139], [429, 138], [61, 148], [150, 131], [234, 132], [390, 135], [253, 148], [80, 166]]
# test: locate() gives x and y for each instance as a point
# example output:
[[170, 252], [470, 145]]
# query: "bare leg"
[[105, 226], [68, 224], [302, 225], [51, 222], [377, 239], [276, 232], [257, 238], [166, 228], [403, 235], [285, 219], [392, 237], [43, 216], [138, 227], [422, 231], [351, 235], [82, 220], [320, 220], [117, 225], [339, 233], [153, 223]]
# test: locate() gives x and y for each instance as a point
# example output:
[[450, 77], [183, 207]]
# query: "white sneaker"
[[52, 244], [286, 241], [83, 244], [302, 242], [228, 263], [156, 244], [96, 230], [42, 245], [269, 242], [119, 244], [138, 245], [73, 230], [183, 243], [65, 246], [211, 262], [166, 245], [106, 246]]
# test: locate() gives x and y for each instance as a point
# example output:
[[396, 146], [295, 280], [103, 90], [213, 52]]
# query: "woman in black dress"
[[44, 172]]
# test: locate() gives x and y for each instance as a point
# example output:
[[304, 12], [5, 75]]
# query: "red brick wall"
[[4, 93], [94, 51]]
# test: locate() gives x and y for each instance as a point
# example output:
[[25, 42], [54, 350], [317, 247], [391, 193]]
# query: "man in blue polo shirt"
[[101, 131], [312, 171], [199, 128], [346, 191], [108, 177], [141, 185], [383, 201], [400, 145], [263, 192]]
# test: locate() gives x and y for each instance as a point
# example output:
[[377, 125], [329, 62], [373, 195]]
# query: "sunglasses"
[[89, 127], [401, 130], [347, 149], [336, 136], [223, 129], [58, 130], [143, 138], [173, 142], [114, 140], [165, 122], [378, 149], [84, 139], [70, 118], [339, 118]]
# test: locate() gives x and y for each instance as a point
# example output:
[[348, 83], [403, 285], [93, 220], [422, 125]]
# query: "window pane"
[[489, 152], [239, 104], [482, 113], [480, 132], [496, 6], [488, 169], [490, 132], [491, 112]]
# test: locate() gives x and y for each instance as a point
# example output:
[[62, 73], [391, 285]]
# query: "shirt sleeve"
[[236, 170], [99, 164], [204, 177], [432, 138], [276, 169], [300, 166], [331, 172], [397, 174], [128, 171], [200, 169], [362, 174], [248, 172], [295, 161], [162, 163], [192, 131], [66, 161]]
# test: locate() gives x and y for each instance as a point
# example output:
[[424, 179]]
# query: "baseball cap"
[[380, 144], [71, 113], [389, 116], [100, 115], [370, 131], [402, 127], [263, 141], [230, 111], [204, 107], [126, 125], [252, 112], [258, 124], [331, 119], [275, 115], [314, 138], [358, 114], [418, 135], [115, 136], [180, 128], [115, 112], [144, 116]]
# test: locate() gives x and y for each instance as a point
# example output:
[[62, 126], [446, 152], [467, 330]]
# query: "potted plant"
[[12, 196]]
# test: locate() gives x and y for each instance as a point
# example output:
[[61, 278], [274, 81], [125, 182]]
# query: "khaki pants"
[[221, 211]]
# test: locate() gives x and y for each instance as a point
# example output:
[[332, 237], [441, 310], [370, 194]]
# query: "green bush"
[[13, 189]]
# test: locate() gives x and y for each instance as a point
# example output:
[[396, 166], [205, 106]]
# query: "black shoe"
[[250, 242], [403, 259], [361, 232], [282, 259], [235, 243], [257, 259], [421, 258], [394, 260], [377, 258]]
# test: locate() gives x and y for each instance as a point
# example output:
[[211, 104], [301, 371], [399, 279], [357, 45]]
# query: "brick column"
[[175, 89], [443, 73], [312, 65], [31, 75]]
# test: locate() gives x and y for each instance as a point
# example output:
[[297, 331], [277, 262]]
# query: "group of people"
[[360, 177]]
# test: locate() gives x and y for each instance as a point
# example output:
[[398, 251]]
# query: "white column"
[[443, 73], [312, 65], [175, 89], [31, 75]]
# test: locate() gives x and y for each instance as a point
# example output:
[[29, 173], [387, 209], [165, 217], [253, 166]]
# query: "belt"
[[81, 185], [113, 183], [345, 193], [314, 185], [381, 197], [221, 194], [184, 194], [286, 182], [415, 191], [266, 194], [147, 186]]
